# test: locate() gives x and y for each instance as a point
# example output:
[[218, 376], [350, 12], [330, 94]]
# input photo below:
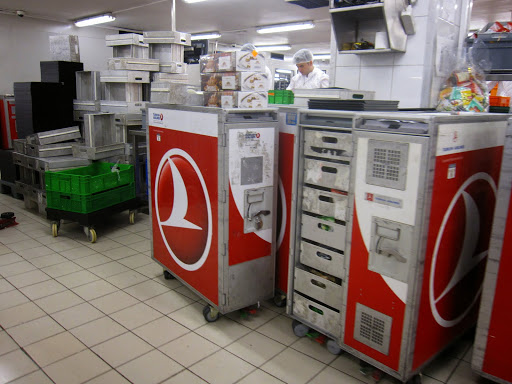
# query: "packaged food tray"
[[89, 203], [94, 178]]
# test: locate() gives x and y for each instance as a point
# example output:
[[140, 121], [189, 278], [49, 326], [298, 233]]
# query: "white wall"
[[24, 42]]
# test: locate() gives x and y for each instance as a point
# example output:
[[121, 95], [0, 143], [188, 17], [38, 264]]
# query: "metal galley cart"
[[213, 201], [491, 351], [424, 189]]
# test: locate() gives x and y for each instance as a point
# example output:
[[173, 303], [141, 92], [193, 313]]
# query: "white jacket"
[[316, 79]]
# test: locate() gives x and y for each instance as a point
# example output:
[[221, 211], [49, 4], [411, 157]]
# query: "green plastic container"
[[93, 178], [89, 203], [280, 96]]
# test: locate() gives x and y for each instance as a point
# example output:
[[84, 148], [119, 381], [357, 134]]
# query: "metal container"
[[131, 51], [54, 163], [124, 76], [19, 145], [64, 48], [168, 93], [167, 37], [167, 52], [123, 39], [162, 77], [98, 153], [49, 150], [122, 106], [54, 136], [173, 67], [301, 96], [133, 64], [129, 92], [99, 129], [86, 105], [88, 86]]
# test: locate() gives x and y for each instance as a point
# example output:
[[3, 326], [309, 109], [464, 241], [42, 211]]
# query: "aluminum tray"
[[19, 146], [54, 136], [129, 119], [49, 150], [99, 129], [167, 52], [86, 105], [168, 93], [122, 106], [125, 92], [124, 76], [134, 64], [131, 51], [48, 163], [88, 86], [173, 67], [123, 39], [98, 153], [162, 77], [167, 37]]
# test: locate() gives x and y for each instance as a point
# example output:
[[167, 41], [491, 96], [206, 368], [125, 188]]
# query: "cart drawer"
[[324, 319], [331, 145], [324, 232], [327, 174], [322, 259], [318, 288], [325, 203]]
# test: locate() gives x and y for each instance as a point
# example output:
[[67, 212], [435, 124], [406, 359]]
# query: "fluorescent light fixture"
[[206, 36], [321, 56], [268, 48], [283, 70], [99, 19], [286, 27], [193, 1]]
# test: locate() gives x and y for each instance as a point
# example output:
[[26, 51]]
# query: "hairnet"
[[302, 56], [248, 47]]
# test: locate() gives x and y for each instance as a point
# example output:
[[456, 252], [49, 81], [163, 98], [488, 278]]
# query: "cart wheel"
[[55, 230], [91, 236], [280, 300], [210, 314], [333, 347], [168, 275], [132, 217], [299, 329], [416, 379]]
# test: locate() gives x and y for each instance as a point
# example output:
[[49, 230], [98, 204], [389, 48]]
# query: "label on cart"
[[385, 200], [451, 171]]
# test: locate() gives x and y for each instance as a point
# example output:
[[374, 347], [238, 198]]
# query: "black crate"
[[61, 72], [7, 168]]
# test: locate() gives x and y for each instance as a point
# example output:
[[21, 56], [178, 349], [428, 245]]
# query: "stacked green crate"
[[280, 96], [88, 189]]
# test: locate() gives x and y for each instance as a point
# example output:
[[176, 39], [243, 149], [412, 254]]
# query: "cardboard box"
[[234, 81], [233, 61], [235, 99]]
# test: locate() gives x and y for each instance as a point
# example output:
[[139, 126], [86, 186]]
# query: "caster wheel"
[[299, 329], [210, 314], [416, 379], [333, 347], [55, 230], [280, 300], [91, 236], [7, 215], [132, 217], [168, 275]]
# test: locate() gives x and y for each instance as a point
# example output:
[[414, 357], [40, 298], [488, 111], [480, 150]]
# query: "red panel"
[[370, 289], [243, 246], [497, 352], [460, 223], [286, 163], [184, 236], [7, 123]]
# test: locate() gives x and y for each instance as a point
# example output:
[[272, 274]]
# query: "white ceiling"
[[235, 19]]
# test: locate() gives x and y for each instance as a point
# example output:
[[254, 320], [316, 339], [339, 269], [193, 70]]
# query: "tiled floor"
[[75, 312]]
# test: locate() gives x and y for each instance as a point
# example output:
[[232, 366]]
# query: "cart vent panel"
[[372, 328], [387, 164]]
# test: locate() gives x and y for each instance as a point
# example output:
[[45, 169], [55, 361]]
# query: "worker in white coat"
[[308, 77], [251, 48]]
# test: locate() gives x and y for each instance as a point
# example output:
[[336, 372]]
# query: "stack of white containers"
[[235, 80], [169, 84]]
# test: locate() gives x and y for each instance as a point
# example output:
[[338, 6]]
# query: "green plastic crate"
[[93, 178], [280, 96], [89, 203]]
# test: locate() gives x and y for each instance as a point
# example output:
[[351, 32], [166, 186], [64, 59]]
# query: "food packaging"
[[464, 90], [233, 61], [235, 99], [235, 81]]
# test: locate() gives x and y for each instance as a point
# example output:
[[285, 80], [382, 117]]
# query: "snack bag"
[[464, 90]]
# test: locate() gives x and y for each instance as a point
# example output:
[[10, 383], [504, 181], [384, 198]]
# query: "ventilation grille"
[[372, 328], [310, 4], [387, 164]]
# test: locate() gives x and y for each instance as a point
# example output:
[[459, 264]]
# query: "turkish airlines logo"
[[183, 209], [455, 284]]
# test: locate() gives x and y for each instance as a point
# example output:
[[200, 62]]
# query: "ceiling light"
[[322, 56], [267, 48], [99, 19], [283, 70], [206, 36], [286, 27], [193, 1]]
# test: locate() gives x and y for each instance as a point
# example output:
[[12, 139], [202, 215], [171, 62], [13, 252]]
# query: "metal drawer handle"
[[325, 227], [315, 309], [326, 199], [324, 256], [330, 140], [329, 169], [318, 284]]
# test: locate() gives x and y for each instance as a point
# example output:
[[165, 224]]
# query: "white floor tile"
[[62, 269], [104, 244], [20, 314], [185, 291], [333, 376], [48, 260], [77, 315], [14, 365], [349, 365], [150, 270], [441, 368], [122, 349], [78, 253], [126, 279], [77, 278], [141, 246], [32, 253], [37, 377], [59, 301], [279, 329], [172, 283], [5, 286], [213, 368], [4, 249], [10, 258], [16, 268], [293, 367], [162, 367], [146, 290], [255, 348], [94, 290], [114, 302], [65, 245], [108, 269], [222, 332], [169, 302], [160, 331], [35, 330], [23, 245], [92, 260], [263, 315], [190, 316], [43, 289], [77, 368], [463, 374], [7, 344], [12, 298], [258, 377], [119, 253], [111, 377], [135, 261], [54, 348], [28, 278], [189, 349], [129, 239], [135, 316], [314, 349], [98, 331], [185, 377]]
